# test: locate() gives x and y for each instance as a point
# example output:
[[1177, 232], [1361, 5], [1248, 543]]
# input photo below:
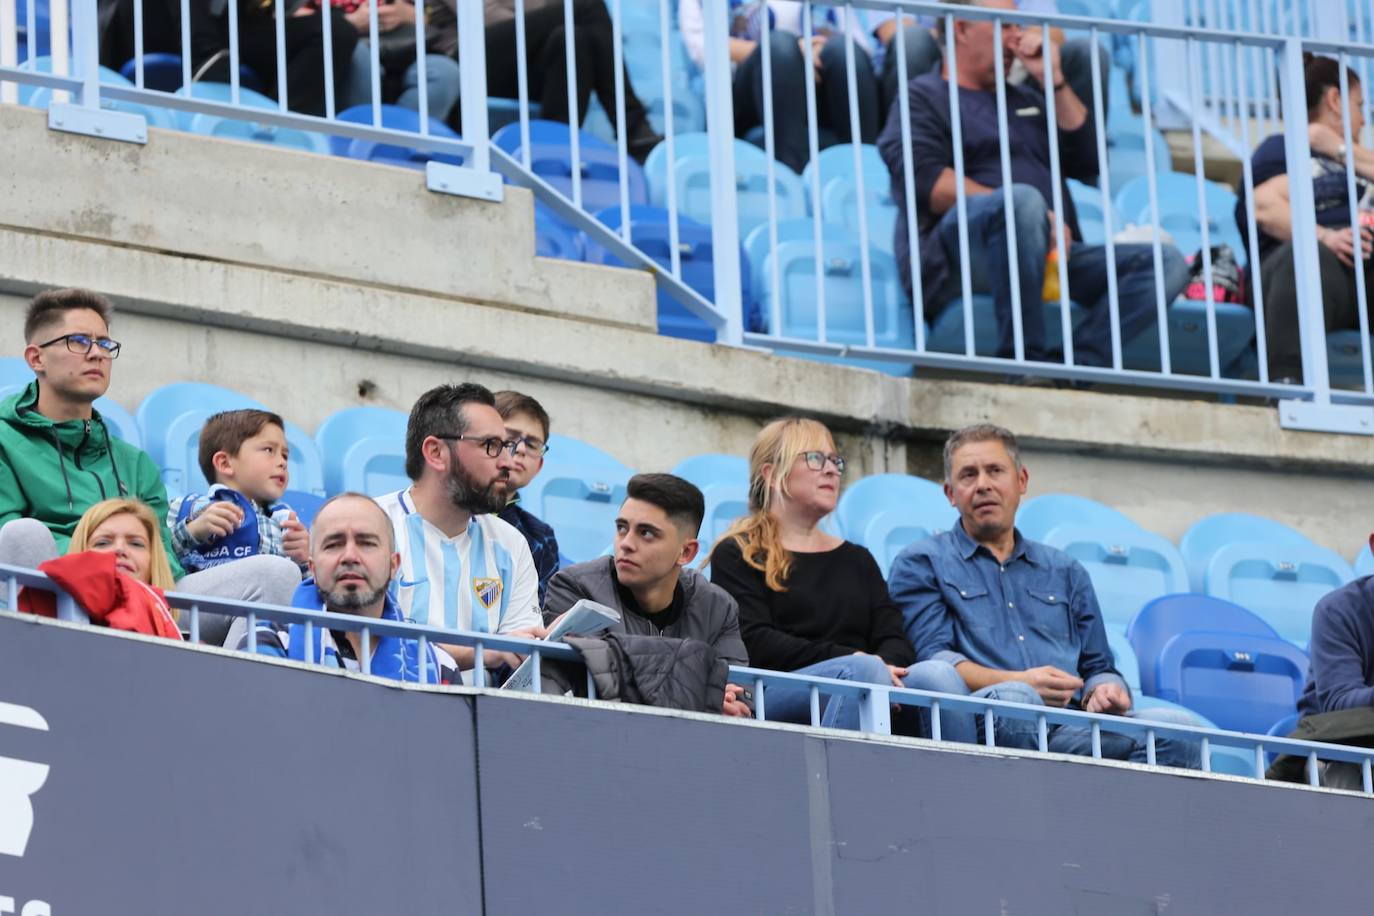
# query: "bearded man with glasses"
[[462, 567]]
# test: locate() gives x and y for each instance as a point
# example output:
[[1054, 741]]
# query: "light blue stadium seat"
[[838, 162], [1210, 534], [1281, 729], [171, 418], [1345, 362], [15, 374], [1037, 515], [724, 483], [221, 92], [889, 512], [1242, 682], [1127, 159], [1128, 567], [1164, 618], [947, 328], [1364, 562], [758, 243], [554, 237], [579, 493], [1281, 583], [840, 191], [163, 72], [1178, 210], [306, 505], [1124, 657], [41, 97], [550, 159], [691, 174], [363, 449], [254, 132], [1189, 350], [393, 117]]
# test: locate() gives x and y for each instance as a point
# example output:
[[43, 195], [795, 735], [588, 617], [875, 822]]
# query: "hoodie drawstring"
[[62, 463], [109, 450]]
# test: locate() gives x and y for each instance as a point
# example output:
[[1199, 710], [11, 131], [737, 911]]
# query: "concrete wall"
[[315, 284]]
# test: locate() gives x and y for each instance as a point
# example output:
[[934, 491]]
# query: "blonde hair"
[[159, 571], [757, 535]]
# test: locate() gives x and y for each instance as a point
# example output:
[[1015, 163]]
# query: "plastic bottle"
[[1050, 293]]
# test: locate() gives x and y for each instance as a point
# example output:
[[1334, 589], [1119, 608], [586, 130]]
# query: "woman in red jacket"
[[116, 568]]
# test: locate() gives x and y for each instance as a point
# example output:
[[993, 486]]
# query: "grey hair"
[[981, 432]]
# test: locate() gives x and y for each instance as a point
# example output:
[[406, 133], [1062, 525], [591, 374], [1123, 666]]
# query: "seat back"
[[842, 276], [1281, 583], [1364, 562], [255, 132], [221, 92], [306, 505], [393, 117], [363, 449], [888, 512], [1124, 658], [1037, 515], [1208, 535], [1242, 682], [578, 492], [599, 168], [691, 174], [1128, 567], [1163, 618], [724, 483]]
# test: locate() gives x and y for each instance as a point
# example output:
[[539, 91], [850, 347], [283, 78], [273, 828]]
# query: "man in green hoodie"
[[58, 458]]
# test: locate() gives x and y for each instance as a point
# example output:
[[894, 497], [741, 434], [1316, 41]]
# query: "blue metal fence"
[[875, 700]]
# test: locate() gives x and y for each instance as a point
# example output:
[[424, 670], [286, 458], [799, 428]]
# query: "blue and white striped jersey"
[[483, 579]]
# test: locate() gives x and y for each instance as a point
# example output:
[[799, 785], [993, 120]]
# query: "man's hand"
[[733, 705], [295, 539], [1109, 697], [1061, 232], [1055, 687], [1031, 50], [215, 521], [394, 15], [1325, 141], [1342, 242]]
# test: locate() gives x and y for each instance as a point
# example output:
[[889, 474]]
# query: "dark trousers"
[[305, 76], [789, 97], [1339, 303], [547, 67]]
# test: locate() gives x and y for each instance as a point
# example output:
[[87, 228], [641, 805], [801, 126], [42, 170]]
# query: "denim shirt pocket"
[[974, 605], [1049, 613]]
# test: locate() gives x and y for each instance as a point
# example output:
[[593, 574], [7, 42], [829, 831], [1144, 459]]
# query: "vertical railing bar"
[[536, 665], [365, 649], [1042, 733], [479, 664], [621, 134], [856, 142], [1166, 365], [374, 61], [1200, 171], [279, 26], [522, 88], [422, 77], [234, 50], [909, 185], [1313, 773], [815, 698], [1220, 78], [185, 46], [422, 649], [1057, 198], [61, 52], [1018, 339], [1150, 752], [813, 147], [1252, 234], [1105, 182], [935, 734], [989, 732], [960, 198], [310, 641], [1356, 227], [1366, 776], [591, 686], [574, 115], [1206, 753], [252, 632], [30, 39], [758, 699], [720, 129], [195, 623], [327, 38], [771, 167], [138, 43], [1097, 737], [1259, 760], [12, 593], [674, 236], [1268, 64]]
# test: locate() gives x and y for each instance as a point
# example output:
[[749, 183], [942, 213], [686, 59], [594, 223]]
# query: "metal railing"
[[875, 700], [839, 296]]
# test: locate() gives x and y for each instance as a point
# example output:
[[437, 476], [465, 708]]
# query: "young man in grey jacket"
[[647, 579]]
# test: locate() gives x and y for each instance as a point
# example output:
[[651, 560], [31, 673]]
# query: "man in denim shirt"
[[1010, 619]]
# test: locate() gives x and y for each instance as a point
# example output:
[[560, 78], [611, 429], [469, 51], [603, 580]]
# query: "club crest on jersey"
[[488, 591]]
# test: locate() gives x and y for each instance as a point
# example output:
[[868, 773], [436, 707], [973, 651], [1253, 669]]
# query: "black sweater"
[[836, 603]]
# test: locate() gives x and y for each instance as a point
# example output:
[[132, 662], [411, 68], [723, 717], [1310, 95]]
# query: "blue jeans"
[[441, 78], [942, 677], [1087, 273], [793, 704]]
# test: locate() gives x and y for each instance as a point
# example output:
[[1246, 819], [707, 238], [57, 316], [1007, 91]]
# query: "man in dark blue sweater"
[[1035, 224], [527, 424], [1341, 675]]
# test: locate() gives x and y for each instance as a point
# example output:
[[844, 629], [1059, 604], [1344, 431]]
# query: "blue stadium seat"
[[724, 482], [1210, 534], [1364, 562], [550, 159], [1164, 618], [758, 243], [171, 418], [554, 237], [156, 117], [840, 191], [162, 71], [888, 512], [15, 374], [221, 92], [1087, 203], [501, 112], [1345, 362], [1241, 682], [253, 132], [1178, 211], [1189, 350], [579, 493], [393, 117], [1281, 583], [691, 174], [651, 233], [1281, 729], [1039, 514], [1128, 567], [306, 505], [363, 449], [947, 326], [1124, 657]]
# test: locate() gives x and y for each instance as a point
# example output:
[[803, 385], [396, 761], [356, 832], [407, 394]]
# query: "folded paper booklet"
[[585, 618]]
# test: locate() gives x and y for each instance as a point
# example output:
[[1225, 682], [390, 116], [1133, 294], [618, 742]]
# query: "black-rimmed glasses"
[[492, 445], [82, 343], [816, 461], [533, 444]]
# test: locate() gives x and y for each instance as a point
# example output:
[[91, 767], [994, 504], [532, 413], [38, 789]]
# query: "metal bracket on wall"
[[444, 178], [99, 122], [1326, 418]]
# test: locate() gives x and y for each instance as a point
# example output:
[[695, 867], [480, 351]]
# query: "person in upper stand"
[[647, 580], [1001, 617], [1339, 250], [527, 425], [352, 561], [788, 56], [58, 458], [1034, 222], [809, 602], [399, 79], [461, 566]]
